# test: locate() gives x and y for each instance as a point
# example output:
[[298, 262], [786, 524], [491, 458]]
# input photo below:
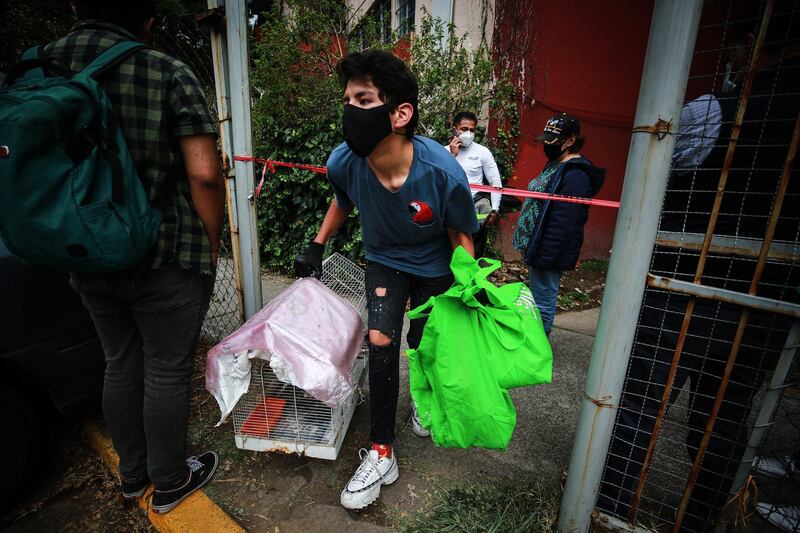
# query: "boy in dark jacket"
[[550, 234]]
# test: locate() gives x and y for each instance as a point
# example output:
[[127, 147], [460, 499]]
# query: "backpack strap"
[[33, 52], [104, 62], [33, 59], [112, 57]]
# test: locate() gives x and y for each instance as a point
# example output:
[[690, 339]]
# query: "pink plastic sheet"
[[311, 333]]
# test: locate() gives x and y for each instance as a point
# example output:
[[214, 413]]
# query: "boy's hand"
[[309, 262]]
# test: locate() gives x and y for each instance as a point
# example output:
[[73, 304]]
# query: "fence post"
[[219, 55], [670, 46], [237, 33]]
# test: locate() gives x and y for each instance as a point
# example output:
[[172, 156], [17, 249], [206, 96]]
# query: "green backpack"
[[70, 196], [480, 340]]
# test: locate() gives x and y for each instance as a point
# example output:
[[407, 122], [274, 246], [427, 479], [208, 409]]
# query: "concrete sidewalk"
[[302, 495]]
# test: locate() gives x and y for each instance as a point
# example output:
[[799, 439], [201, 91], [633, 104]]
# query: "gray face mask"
[[466, 138]]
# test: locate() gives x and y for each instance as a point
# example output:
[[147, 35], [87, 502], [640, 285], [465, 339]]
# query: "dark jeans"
[[479, 240], [483, 206], [149, 326], [386, 310]]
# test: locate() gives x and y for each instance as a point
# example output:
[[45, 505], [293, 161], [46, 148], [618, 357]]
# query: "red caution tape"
[[545, 196], [272, 164], [269, 163]]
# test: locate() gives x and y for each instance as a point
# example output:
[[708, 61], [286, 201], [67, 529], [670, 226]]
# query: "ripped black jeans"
[[388, 291]]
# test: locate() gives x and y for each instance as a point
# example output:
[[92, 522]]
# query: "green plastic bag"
[[480, 340]]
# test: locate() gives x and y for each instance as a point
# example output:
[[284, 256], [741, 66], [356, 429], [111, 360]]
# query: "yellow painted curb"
[[197, 513]]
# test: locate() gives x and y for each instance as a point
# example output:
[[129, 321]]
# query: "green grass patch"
[[599, 266], [488, 508], [571, 298]]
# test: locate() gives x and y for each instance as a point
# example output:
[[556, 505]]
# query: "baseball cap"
[[558, 127]]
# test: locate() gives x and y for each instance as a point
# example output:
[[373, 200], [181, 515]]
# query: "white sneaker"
[[365, 485], [784, 467], [416, 426], [784, 517]]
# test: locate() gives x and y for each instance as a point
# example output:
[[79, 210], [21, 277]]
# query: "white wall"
[[360, 7], [476, 18]]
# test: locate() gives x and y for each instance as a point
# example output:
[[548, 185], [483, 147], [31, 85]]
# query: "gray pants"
[[149, 327]]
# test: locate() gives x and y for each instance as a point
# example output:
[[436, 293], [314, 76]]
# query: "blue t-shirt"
[[407, 229]]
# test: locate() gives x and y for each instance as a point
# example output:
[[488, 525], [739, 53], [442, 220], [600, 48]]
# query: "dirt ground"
[[268, 490], [76, 493], [299, 494], [581, 288], [274, 492]]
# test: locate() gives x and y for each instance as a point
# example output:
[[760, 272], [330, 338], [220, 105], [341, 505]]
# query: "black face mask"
[[553, 151], [364, 129]]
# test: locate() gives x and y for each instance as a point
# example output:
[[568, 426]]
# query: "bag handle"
[[474, 291], [422, 310]]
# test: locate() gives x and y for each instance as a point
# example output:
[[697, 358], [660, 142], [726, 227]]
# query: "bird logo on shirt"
[[421, 213]]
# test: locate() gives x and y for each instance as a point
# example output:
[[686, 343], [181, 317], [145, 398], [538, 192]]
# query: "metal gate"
[[718, 326]]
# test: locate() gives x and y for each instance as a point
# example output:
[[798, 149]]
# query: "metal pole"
[[770, 405], [237, 32], [670, 47], [219, 55]]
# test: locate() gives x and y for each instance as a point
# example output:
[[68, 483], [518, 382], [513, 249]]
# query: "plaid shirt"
[[157, 99]]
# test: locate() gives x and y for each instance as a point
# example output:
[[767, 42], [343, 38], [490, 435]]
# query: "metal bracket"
[[211, 18], [600, 402], [660, 129]]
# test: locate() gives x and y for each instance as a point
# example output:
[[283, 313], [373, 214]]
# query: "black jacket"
[[556, 242]]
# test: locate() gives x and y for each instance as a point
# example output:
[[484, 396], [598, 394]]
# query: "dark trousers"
[[149, 326], [479, 240], [388, 291], [702, 364]]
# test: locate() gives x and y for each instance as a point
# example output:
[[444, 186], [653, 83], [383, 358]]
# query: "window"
[[405, 16], [383, 17]]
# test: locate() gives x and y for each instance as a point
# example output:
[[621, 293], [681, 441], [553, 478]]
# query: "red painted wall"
[[584, 58]]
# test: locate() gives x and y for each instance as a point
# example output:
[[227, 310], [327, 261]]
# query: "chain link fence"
[[190, 42]]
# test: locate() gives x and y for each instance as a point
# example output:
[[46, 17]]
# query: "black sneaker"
[[132, 490], [201, 470]]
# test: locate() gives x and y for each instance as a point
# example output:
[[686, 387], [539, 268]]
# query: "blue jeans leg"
[[544, 286]]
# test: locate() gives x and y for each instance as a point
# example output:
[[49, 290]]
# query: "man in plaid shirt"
[[149, 318]]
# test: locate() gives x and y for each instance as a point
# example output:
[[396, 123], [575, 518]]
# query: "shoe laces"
[[367, 466], [194, 464]]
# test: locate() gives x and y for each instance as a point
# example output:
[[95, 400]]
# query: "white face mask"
[[466, 138]]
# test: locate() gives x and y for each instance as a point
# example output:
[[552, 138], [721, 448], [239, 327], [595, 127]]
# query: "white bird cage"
[[277, 416]]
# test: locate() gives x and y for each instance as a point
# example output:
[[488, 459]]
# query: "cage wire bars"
[[720, 312]]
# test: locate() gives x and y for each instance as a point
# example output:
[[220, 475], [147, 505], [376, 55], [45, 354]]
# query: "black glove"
[[309, 262]]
